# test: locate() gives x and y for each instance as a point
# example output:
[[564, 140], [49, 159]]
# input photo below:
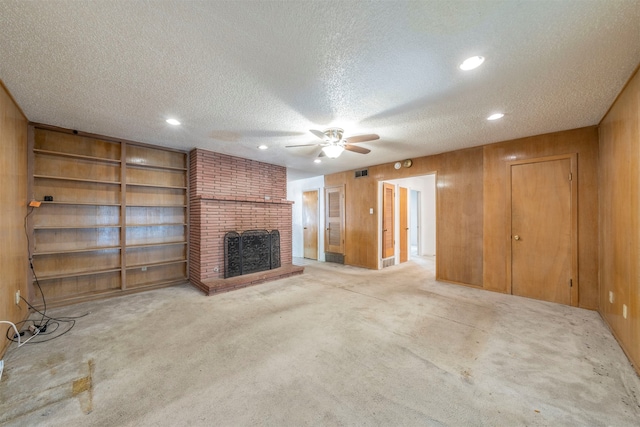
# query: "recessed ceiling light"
[[495, 116], [471, 63], [173, 122], [262, 147], [317, 161]]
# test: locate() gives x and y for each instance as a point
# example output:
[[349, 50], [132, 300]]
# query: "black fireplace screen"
[[250, 252]]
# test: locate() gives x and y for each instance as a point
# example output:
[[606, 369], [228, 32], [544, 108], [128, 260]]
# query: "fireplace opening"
[[250, 252]]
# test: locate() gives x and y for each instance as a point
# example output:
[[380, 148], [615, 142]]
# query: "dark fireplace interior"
[[250, 252]]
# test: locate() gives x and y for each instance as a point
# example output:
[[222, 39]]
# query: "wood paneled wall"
[[582, 141], [619, 214], [13, 207], [459, 216], [471, 195], [459, 205]]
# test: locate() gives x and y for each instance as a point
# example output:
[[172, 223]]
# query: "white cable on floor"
[[20, 344], [14, 328]]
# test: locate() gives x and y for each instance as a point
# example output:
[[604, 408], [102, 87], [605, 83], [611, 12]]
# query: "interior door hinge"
[[571, 283], [570, 176]]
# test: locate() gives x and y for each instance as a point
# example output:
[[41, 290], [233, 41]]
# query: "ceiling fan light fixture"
[[334, 134], [333, 151], [471, 63]]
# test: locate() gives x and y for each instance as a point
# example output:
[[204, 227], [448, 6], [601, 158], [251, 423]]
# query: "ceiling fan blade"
[[320, 135], [361, 138], [302, 145], [355, 149]]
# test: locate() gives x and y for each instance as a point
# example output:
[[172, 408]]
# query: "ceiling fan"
[[333, 144]]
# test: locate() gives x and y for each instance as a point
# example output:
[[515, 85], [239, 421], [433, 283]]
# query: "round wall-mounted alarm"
[[407, 163], [397, 165]]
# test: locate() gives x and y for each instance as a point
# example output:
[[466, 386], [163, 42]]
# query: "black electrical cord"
[[51, 326], [44, 302], [35, 340], [60, 319], [48, 325], [26, 232]]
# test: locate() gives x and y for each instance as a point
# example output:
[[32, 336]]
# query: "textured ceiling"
[[244, 73]]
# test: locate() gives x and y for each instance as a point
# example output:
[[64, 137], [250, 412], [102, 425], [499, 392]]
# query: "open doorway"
[[414, 223], [417, 231]]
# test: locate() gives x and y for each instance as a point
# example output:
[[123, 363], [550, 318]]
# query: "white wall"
[[294, 193], [413, 218]]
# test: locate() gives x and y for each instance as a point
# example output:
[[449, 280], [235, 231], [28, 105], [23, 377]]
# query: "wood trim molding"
[[104, 137], [626, 85], [3, 86]]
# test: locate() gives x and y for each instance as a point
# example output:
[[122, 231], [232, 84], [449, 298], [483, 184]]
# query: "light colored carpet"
[[336, 346]]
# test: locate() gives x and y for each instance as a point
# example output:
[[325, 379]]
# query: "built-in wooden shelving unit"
[[118, 221]]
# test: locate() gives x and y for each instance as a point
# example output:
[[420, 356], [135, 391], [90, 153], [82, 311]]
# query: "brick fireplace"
[[228, 194]]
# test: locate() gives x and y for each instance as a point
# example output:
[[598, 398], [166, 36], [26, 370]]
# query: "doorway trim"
[[573, 213], [431, 209], [389, 221], [404, 241]]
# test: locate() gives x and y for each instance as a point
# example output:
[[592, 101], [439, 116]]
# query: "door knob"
[[516, 237]]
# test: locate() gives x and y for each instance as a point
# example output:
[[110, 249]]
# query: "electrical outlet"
[[18, 296], [624, 310], [610, 297]]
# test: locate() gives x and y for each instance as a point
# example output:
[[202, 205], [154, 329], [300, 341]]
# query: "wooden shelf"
[[76, 156], [137, 287], [62, 178], [149, 245], [71, 251], [168, 224], [69, 227], [136, 205], [80, 203], [155, 264], [138, 165], [114, 183], [78, 274], [135, 184]]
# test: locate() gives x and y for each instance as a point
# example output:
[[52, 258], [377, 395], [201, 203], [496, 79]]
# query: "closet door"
[[543, 226]]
